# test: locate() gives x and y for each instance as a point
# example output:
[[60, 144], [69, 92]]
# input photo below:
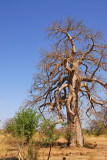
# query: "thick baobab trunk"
[[74, 123], [74, 126], [78, 131]]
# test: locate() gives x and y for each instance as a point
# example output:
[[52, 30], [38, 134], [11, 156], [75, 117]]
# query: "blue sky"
[[22, 34]]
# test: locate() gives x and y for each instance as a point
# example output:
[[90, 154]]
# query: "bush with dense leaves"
[[24, 123]]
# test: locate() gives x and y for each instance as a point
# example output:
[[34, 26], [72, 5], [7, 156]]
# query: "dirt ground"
[[96, 151]]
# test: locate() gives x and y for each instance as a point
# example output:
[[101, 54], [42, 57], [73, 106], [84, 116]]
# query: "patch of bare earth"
[[9, 148]]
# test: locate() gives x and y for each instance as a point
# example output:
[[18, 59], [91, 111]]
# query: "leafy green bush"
[[98, 130], [48, 132], [96, 127], [86, 131], [24, 123], [68, 136]]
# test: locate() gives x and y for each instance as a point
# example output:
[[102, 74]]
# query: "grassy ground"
[[96, 149]]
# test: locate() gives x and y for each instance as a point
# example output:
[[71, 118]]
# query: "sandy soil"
[[98, 151]]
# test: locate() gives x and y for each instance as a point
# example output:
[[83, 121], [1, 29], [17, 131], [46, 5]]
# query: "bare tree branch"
[[72, 68]]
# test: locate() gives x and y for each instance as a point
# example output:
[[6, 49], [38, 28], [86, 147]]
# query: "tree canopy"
[[70, 75]]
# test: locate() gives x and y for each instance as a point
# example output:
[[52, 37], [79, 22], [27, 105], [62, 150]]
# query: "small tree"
[[49, 135], [24, 123], [48, 130]]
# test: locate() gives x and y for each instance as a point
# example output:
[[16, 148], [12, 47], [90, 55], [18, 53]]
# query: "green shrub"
[[98, 125], [24, 123], [86, 131], [98, 131], [68, 136], [49, 135], [48, 132]]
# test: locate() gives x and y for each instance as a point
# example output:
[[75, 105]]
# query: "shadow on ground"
[[12, 158]]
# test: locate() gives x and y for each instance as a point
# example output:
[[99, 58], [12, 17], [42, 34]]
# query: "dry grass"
[[9, 148]]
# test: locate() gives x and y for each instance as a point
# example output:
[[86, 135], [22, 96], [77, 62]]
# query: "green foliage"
[[86, 131], [68, 136], [64, 124], [98, 130], [48, 132], [24, 123], [98, 126]]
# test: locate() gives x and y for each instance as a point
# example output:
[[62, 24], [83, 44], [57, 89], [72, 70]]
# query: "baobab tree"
[[69, 72]]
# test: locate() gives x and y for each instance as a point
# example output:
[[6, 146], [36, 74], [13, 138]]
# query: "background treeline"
[[98, 125]]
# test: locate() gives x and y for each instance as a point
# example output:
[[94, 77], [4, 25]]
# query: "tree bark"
[[74, 124], [74, 127], [78, 131]]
